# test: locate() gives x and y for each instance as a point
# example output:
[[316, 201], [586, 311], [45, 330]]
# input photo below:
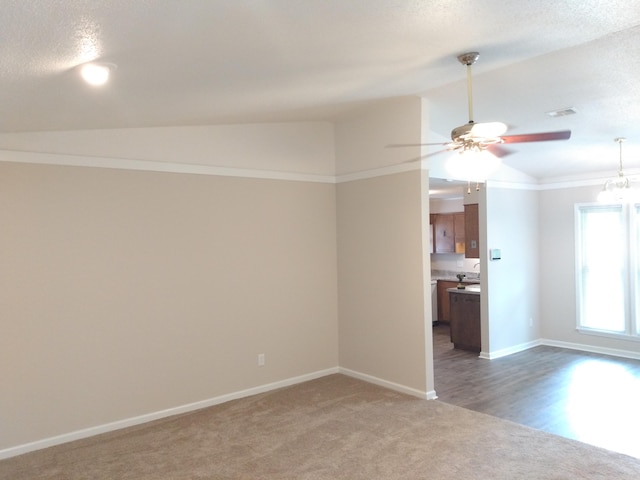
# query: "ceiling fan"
[[478, 137]]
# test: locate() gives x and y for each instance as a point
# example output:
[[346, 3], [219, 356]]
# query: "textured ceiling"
[[196, 62]]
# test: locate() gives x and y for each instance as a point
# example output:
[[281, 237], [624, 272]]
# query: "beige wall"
[[294, 147], [510, 286], [380, 277], [558, 273], [127, 292], [124, 292], [383, 308], [363, 138]]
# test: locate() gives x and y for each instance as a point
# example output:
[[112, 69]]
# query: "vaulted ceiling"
[[199, 62]]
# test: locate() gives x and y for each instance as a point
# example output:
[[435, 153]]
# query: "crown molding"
[[43, 158], [379, 172]]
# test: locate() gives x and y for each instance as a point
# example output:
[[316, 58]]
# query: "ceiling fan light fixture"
[[477, 143], [617, 189], [488, 130], [472, 165]]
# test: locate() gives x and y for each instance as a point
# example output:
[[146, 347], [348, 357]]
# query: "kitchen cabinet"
[[443, 299], [465, 320], [471, 231], [431, 233], [449, 232], [444, 314], [459, 232]]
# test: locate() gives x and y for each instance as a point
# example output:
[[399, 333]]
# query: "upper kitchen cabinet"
[[459, 243], [449, 232], [432, 234], [472, 231]]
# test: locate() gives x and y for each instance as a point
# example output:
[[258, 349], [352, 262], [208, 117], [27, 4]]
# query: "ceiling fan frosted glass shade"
[[488, 130], [472, 166]]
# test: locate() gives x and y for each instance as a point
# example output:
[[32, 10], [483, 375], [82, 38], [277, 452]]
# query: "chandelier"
[[617, 189]]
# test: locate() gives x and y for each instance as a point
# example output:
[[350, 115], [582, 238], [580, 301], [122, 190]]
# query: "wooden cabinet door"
[[443, 300], [431, 233], [472, 231], [465, 321], [444, 233], [459, 232]]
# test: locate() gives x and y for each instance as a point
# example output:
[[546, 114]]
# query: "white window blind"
[[607, 268]]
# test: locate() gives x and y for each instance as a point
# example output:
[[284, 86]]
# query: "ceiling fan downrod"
[[469, 59]]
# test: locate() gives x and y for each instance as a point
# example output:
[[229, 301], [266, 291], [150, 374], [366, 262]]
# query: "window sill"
[[603, 333]]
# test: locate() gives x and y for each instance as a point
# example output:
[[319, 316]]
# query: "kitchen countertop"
[[471, 289], [455, 279], [450, 276]]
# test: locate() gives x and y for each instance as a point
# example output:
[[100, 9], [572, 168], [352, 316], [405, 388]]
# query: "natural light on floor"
[[599, 399]]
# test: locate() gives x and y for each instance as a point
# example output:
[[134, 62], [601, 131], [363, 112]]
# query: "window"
[[608, 269]]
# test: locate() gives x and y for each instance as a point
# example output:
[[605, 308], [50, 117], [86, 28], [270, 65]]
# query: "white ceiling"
[[197, 62]]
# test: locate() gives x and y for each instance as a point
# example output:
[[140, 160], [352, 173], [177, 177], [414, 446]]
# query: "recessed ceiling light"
[[96, 74], [563, 112]]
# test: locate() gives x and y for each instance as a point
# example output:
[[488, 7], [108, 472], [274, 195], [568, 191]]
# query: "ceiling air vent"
[[563, 112]]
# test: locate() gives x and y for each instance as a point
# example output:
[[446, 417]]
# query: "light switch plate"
[[495, 254]]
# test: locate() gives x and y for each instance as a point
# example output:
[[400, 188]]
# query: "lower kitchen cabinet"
[[465, 320], [444, 315], [444, 312]]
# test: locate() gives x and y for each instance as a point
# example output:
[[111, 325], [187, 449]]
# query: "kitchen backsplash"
[[451, 275], [448, 265]]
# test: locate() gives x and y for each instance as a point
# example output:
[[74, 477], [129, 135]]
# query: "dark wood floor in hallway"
[[588, 397]]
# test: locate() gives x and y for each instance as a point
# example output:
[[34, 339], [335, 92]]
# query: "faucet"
[[477, 265]]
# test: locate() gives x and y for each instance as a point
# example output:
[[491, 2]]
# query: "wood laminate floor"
[[584, 396]]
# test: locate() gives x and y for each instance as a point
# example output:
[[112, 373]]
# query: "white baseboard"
[[555, 343], [130, 422], [427, 395], [589, 348], [510, 350], [430, 395]]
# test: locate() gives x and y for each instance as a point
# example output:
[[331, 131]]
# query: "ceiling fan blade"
[[499, 151], [537, 137], [403, 145], [427, 155], [437, 152]]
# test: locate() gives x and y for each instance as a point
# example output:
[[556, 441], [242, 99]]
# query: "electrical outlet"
[[261, 359]]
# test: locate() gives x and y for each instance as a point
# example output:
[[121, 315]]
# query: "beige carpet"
[[335, 427]]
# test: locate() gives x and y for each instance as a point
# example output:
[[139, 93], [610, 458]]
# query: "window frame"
[[631, 278]]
